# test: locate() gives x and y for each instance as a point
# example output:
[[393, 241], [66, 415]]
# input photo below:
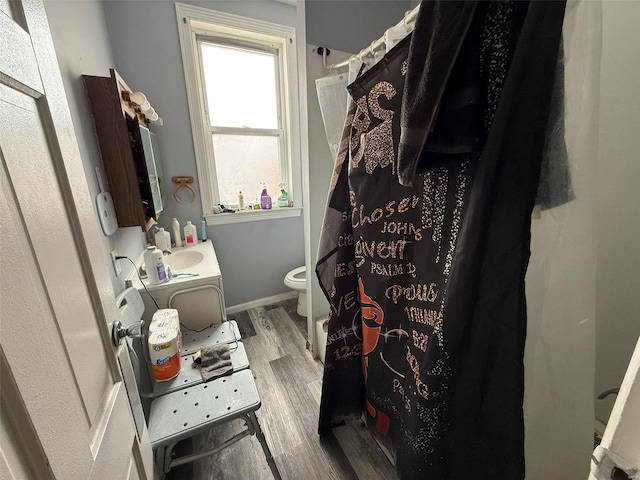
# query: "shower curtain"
[[426, 279], [333, 101]]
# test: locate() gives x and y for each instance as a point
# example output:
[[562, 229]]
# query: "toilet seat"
[[296, 279]]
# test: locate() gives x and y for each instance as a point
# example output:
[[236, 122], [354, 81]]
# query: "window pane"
[[242, 162], [241, 87]]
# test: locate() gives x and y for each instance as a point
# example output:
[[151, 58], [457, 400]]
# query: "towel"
[[437, 41], [215, 362]]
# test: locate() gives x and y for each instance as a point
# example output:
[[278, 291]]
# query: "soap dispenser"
[[283, 199], [265, 199]]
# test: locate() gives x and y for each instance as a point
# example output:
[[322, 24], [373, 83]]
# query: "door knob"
[[119, 331]]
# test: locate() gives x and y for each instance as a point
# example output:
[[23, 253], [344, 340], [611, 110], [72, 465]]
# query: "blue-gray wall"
[[351, 25], [321, 165], [254, 256], [140, 39], [79, 33]]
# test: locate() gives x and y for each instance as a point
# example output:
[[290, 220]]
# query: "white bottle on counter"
[[163, 240], [190, 234], [177, 236], [154, 265]]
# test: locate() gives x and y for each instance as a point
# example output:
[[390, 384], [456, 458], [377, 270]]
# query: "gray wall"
[[82, 47], [350, 25], [255, 256], [618, 271], [320, 165]]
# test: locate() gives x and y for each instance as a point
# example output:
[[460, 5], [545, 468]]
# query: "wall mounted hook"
[[183, 182]]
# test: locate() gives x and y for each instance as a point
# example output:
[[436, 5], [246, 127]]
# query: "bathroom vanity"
[[195, 291]]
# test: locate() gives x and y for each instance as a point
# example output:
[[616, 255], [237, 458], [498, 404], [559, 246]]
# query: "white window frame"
[[193, 21]]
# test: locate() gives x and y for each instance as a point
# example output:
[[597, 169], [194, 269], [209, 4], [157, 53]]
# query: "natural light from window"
[[259, 163], [241, 87], [242, 101]]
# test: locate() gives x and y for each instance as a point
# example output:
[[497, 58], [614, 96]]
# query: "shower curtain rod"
[[408, 21]]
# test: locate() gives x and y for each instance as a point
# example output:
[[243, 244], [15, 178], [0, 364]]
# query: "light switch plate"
[[116, 264]]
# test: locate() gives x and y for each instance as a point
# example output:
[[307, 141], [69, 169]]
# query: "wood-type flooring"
[[289, 381]]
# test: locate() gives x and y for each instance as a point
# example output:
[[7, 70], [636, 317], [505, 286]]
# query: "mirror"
[[145, 167], [154, 166]]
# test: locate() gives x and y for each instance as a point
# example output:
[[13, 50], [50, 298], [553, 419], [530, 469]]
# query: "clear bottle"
[[163, 240], [177, 237], [190, 234], [154, 265]]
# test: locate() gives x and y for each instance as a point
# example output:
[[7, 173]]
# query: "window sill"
[[252, 215]]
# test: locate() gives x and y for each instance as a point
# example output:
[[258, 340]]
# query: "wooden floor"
[[289, 381]]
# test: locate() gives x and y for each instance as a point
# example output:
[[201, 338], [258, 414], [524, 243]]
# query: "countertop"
[[207, 269]]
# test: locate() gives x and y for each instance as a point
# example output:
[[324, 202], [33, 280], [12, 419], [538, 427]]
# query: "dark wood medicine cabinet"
[[129, 151]]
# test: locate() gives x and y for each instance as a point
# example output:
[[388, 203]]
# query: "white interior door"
[[618, 455], [64, 407]]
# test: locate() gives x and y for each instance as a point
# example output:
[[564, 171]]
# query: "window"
[[242, 88], [244, 116]]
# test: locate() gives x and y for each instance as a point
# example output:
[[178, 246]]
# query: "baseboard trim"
[[261, 301]]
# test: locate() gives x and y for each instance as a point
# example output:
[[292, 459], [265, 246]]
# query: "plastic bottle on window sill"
[[190, 234], [283, 199], [265, 199], [240, 200]]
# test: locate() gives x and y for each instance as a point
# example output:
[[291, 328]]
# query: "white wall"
[[82, 47], [561, 279], [618, 274]]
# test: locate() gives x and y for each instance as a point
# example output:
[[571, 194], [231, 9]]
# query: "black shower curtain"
[[424, 251]]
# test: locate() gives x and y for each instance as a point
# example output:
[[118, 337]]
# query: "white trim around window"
[[191, 19]]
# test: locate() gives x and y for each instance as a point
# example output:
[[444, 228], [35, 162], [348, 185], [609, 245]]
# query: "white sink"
[[183, 259], [196, 292]]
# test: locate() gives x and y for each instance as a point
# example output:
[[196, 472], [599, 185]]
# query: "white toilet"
[[296, 280]]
